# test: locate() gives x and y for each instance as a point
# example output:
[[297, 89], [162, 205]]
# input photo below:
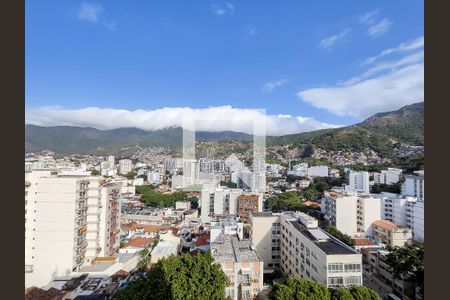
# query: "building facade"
[[265, 233], [69, 220], [310, 252]]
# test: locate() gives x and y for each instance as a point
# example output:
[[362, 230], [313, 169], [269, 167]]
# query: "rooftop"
[[139, 242], [231, 249], [262, 214], [388, 225], [323, 240]]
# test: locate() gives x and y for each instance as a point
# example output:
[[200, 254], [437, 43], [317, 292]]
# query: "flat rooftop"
[[231, 249], [262, 214], [323, 240]]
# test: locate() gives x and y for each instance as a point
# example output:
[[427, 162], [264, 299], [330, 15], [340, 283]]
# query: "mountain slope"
[[68, 139], [405, 124], [378, 133]]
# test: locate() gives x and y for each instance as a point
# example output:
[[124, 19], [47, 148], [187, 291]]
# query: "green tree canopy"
[[297, 288], [284, 202], [179, 277]]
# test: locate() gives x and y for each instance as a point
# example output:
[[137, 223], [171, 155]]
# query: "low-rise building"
[[310, 252], [391, 234]]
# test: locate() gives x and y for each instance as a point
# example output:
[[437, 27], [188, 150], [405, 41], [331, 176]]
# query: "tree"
[[284, 202], [363, 293], [340, 236], [341, 294], [299, 289], [130, 175], [179, 277], [194, 202], [144, 259], [95, 172], [408, 263]]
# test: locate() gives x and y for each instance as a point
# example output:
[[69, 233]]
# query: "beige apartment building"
[[69, 221], [392, 234], [265, 232], [241, 264]]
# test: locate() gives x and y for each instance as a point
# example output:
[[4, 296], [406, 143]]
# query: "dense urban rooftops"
[[231, 249]]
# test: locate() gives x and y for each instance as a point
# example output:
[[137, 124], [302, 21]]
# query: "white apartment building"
[[125, 166], [111, 160], [368, 210], [404, 211], [218, 201], [265, 232], [310, 252], [242, 265], [389, 176], [351, 213], [69, 220], [357, 181], [227, 226], [417, 220], [414, 185], [340, 209]]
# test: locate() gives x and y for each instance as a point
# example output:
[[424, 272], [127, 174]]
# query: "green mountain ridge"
[[379, 133]]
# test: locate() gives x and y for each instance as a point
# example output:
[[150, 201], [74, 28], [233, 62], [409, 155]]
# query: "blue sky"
[[319, 60]]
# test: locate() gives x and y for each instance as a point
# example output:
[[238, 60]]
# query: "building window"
[[353, 280], [335, 268], [352, 268], [335, 281]]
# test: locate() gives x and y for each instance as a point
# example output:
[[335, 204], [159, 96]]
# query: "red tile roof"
[[35, 293], [364, 242], [202, 239], [120, 273], [138, 242]]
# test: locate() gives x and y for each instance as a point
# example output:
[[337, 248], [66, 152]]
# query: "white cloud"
[[90, 12], [365, 98], [221, 10], [380, 28], [271, 85], [384, 86], [368, 18], [405, 46], [329, 41], [252, 30], [221, 118]]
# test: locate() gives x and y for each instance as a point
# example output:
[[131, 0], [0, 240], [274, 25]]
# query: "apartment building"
[[242, 265], [405, 211], [340, 209], [310, 252], [112, 160], [69, 221], [357, 181], [218, 201], [350, 212], [381, 274], [391, 234], [414, 185], [247, 204], [368, 211], [265, 233], [389, 176], [125, 166]]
